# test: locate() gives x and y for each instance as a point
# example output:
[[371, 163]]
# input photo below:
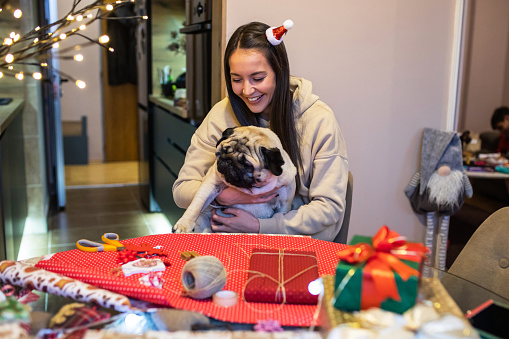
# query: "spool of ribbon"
[[225, 298], [203, 276], [379, 262]]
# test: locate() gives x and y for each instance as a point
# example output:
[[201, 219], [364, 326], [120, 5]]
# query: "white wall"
[[383, 66], [77, 102], [487, 77]]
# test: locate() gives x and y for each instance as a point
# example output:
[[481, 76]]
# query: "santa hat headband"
[[275, 34]]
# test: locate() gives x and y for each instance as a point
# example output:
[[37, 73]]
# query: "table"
[[449, 294], [234, 250], [465, 293], [489, 175], [470, 296], [431, 289]]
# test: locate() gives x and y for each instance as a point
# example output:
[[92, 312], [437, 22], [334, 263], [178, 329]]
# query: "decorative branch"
[[38, 44]]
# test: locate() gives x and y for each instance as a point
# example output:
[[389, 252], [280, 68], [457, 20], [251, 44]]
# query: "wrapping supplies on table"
[[203, 276], [382, 271], [31, 277], [434, 307], [216, 334], [13, 331], [76, 314], [12, 311], [420, 321], [279, 276], [234, 251]]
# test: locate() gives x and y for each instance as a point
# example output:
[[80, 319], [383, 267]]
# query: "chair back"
[[342, 236], [484, 261], [489, 141]]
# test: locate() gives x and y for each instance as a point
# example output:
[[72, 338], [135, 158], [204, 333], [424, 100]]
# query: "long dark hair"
[[282, 119]]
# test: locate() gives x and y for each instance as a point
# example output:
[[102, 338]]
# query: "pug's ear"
[[273, 160], [226, 134]]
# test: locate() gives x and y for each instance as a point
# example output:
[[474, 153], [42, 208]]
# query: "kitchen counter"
[[169, 105]]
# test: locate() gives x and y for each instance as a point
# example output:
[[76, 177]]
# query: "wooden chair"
[[342, 236]]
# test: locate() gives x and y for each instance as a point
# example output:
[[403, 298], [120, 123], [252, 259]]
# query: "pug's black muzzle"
[[236, 170]]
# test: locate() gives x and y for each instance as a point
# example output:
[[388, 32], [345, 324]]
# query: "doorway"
[[484, 87], [104, 113]]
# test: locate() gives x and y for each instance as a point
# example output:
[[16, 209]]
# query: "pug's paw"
[[183, 226]]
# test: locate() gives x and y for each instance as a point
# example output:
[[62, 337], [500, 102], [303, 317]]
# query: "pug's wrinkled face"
[[247, 157]]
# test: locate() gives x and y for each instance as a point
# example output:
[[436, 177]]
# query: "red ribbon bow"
[[382, 260]]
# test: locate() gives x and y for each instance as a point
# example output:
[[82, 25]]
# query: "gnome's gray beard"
[[445, 190]]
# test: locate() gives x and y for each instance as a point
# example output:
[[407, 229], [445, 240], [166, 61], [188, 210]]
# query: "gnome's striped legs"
[[437, 248], [430, 231], [442, 250]]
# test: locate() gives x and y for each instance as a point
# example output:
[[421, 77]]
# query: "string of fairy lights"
[[36, 47]]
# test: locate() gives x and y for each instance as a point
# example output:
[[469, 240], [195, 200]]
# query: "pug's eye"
[[246, 164]]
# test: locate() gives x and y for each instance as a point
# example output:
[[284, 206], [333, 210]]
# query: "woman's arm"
[[201, 153], [199, 158]]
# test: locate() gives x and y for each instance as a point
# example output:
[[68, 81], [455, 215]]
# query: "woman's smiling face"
[[253, 80]]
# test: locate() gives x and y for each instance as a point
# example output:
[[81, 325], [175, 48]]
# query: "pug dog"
[[252, 160]]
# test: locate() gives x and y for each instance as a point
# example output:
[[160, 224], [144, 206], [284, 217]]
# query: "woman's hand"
[[240, 222], [231, 196]]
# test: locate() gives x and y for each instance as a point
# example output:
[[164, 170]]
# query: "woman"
[[261, 92]]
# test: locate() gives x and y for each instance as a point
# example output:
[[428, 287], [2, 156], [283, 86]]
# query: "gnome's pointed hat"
[[275, 34], [439, 148]]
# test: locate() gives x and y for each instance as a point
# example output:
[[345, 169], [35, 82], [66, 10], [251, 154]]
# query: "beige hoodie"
[[319, 210]]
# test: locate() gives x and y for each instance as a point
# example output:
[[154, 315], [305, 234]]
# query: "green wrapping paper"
[[356, 284], [12, 311]]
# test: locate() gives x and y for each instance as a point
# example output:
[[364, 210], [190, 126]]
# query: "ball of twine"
[[203, 276]]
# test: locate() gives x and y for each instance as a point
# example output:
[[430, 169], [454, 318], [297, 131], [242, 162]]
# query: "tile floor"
[[90, 212]]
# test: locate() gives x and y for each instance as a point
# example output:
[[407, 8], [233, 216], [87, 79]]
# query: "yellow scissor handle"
[[92, 246], [112, 239]]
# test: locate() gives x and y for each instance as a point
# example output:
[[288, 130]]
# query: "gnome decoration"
[[439, 188]]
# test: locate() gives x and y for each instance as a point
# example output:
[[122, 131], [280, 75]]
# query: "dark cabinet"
[[13, 196], [171, 139]]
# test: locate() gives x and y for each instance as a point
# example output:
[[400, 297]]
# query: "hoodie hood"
[[303, 96]]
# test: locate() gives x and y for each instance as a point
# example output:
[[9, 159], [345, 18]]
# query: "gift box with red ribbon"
[[281, 276], [381, 271]]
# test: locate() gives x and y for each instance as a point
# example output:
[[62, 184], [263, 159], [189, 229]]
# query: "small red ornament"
[[125, 256], [166, 261], [147, 248]]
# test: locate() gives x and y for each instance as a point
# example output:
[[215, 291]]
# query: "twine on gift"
[[203, 276], [301, 248], [280, 290]]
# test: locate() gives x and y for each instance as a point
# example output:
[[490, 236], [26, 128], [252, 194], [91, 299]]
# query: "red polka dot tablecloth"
[[233, 250]]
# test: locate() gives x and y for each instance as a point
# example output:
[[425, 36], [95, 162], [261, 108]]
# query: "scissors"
[[111, 244]]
